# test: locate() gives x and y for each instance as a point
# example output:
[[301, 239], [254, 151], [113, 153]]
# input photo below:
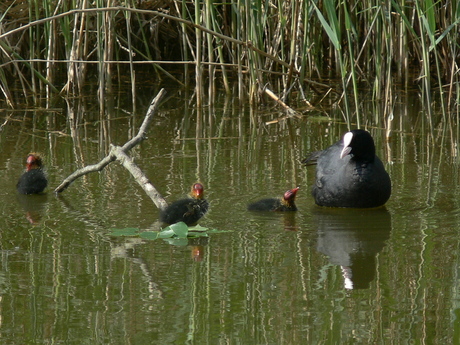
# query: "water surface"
[[389, 275]]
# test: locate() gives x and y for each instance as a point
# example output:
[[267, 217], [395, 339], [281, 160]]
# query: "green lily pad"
[[197, 228], [175, 234], [197, 234], [180, 229], [166, 233]]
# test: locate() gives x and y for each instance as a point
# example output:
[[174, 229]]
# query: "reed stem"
[[283, 44]]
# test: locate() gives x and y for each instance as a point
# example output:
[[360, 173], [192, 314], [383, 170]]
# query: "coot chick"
[[349, 174], [188, 210], [286, 203], [33, 181]]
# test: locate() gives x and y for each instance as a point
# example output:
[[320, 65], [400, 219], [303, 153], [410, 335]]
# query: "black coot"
[[349, 174], [188, 210], [283, 204], [33, 181]]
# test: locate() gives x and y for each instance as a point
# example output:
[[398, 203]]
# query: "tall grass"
[[297, 49]]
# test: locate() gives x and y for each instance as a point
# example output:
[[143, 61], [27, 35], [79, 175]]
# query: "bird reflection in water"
[[197, 247], [33, 206], [290, 222], [352, 238]]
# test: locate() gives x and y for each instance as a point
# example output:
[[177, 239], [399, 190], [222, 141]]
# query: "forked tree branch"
[[120, 154]]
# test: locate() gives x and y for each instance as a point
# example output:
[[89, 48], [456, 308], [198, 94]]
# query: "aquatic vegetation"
[[292, 48], [176, 234]]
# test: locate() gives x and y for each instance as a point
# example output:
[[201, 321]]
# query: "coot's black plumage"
[[283, 204], [33, 181], [349, 174], [188, 210]]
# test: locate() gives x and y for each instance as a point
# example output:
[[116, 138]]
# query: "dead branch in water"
[[119, 153]]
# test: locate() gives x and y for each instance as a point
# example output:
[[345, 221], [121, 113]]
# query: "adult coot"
[[33, 181], [285, 203], [188, 210], [349, 174]]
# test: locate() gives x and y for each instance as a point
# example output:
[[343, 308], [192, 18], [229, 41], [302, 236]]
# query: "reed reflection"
[[352, 238]]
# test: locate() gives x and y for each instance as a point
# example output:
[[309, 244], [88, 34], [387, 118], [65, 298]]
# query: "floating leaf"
[[166, 233], [195, 234], [176, 234], [197, 228], [125, 232], [180, 229]]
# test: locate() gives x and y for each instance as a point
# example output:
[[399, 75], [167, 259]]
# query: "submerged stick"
[[120, 154]]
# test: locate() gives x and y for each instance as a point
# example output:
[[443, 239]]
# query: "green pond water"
[[317, 276]]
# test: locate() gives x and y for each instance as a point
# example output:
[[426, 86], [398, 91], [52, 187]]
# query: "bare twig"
[[139, 176], [7, 119], [290, 112], [120, 154]]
